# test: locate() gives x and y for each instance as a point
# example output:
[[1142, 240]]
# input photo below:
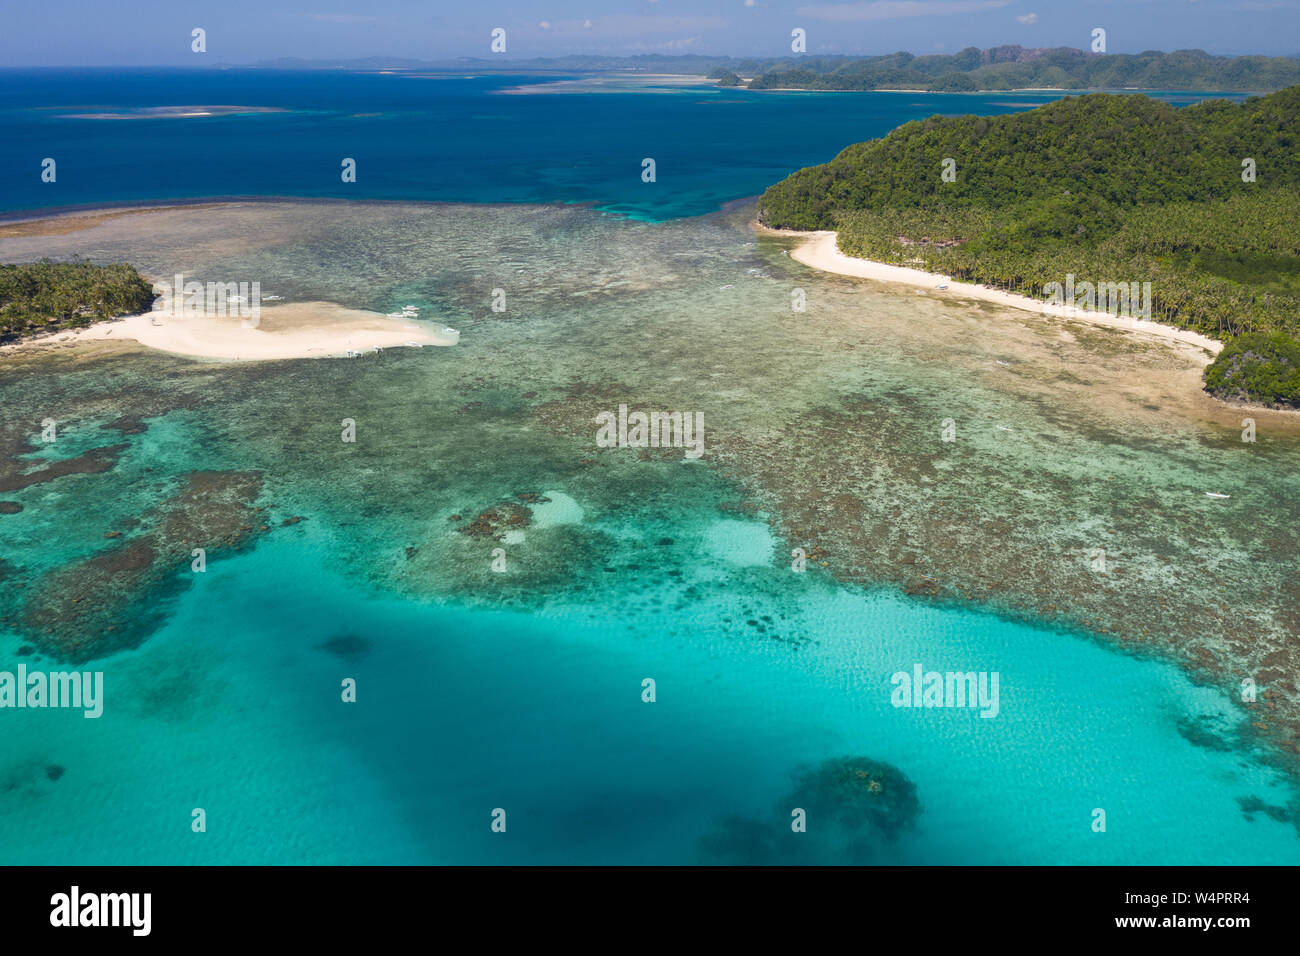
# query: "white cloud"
[[544, 25], [1028, 18], [897, 9]]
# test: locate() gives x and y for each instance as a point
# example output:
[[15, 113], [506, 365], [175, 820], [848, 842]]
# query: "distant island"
[[970, 70], [1018, 68], [1200, 202]]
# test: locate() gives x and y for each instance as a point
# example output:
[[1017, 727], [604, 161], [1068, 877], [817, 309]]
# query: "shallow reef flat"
[[1070, 443]]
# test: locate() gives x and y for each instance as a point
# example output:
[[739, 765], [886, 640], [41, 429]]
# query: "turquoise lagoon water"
[[460, 712], [523, 691]]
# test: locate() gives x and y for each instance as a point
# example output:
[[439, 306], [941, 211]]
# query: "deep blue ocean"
[[431, 137]]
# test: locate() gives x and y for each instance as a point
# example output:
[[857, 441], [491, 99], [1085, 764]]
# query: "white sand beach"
[[819, 251], [288, 331]]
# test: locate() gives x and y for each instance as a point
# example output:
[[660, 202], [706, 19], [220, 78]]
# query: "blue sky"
[[157, 32]]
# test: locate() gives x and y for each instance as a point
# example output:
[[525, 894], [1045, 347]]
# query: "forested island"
[[1009, 67], [49, 296], [1017, 68], [1202, 202]]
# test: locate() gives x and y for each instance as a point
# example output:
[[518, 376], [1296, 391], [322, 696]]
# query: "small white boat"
[[272, 298], [1003, 428], [1215, 494], [1000, 362], [944, 286]]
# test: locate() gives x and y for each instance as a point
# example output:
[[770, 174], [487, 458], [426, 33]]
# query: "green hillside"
[[1113, 188]]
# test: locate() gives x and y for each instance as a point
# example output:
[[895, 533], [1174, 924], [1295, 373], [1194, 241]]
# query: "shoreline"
[[1019, 89], [819, 251], [291, 331]]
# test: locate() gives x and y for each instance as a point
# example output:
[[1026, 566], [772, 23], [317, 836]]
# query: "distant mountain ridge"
[[1016, 67]]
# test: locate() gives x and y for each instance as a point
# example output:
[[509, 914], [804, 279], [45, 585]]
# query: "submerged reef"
[[495, 521], [858, 794], [864, 484], [91, 462], [348, 647], [117, 597], [1288, 814], [855, 810], [828, 426], [28, 778]]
